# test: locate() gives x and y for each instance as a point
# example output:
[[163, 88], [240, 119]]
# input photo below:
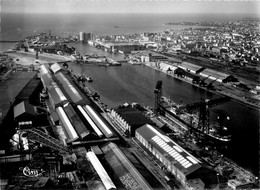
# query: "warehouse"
[[106, 180], [176, 160], [189, 67], [67, 126], [55, 68], [47, 80], [129, 118], [77, 123], [123, 168], [72, 92], [30, 92], [56, 96], [214, 75]]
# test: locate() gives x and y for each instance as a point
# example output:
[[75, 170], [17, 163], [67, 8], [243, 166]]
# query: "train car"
[[90, 121], [70, 131], [106, 180], [78, 125], [102, 126], [69, 88]]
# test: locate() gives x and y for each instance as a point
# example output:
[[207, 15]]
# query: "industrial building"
[[129, 119], [78, 122], [123, 168], [84, 37], [190, 171]]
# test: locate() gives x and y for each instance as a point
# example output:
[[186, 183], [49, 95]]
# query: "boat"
[[88, 79], [216, 132]]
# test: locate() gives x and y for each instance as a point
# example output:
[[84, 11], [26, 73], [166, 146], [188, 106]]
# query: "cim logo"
[[32, 172]]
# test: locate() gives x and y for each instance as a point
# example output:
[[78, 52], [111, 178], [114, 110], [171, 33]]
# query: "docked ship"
[[215, 132]]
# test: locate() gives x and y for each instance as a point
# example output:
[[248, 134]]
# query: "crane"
[[158, 95], [36, 135], [203, 109]]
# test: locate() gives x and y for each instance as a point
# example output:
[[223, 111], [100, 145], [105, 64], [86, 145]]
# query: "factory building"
[[128, 175], [84, 37], [185, 167], [129, 119]]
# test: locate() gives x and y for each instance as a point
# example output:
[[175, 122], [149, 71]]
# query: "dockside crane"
[[203, 109], [158, 95]]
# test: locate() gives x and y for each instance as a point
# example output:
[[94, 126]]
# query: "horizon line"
[[127, 13]]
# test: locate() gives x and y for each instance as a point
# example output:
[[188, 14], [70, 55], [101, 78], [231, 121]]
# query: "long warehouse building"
[[90, 121], [70, 131], [106, 180], [78, 125], [69, 88], [124, 169], [98, 121], [187, 169]]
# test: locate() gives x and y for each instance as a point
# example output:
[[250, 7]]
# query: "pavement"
[[28, 58]]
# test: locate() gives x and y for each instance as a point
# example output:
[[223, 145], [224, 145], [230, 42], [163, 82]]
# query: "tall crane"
[[202, 107], [203, 110], [158, 95]]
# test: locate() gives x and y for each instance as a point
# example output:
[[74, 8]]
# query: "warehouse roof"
[[29, 88], [47, 80], [123, 167], [132, 116], [55, 67], [23, 107], [190, 66], [183, 160], [215, 74]]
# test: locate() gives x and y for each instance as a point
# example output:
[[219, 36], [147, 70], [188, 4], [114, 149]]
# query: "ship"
[[216, 132]]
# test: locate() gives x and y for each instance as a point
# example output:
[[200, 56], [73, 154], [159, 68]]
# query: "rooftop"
[[132, 116], [176, 154], [11, 87]]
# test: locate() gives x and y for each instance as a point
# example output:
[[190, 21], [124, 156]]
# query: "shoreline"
[[217, 92]]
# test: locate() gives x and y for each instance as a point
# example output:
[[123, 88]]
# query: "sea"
[[135, 83]]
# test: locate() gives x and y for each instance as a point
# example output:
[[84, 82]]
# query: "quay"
[[221, 90]]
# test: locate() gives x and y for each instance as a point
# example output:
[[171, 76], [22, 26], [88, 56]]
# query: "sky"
[[132, 6]]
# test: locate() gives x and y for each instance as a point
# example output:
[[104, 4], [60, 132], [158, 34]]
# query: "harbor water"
[[135, 83]]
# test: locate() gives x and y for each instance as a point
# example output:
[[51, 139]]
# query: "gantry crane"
[[203, 110], [36, 135], [202, 107]]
